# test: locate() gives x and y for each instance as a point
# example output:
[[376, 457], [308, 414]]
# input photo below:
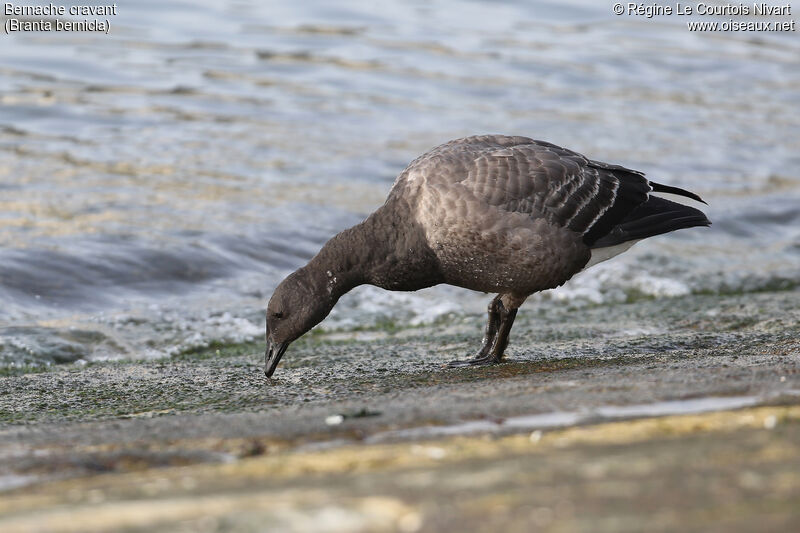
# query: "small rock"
[[334, 420], [434, 452]]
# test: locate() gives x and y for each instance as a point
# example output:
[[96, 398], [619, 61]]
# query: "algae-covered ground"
[[667, 414]]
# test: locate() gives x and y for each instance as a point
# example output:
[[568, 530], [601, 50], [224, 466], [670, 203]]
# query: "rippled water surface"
[[156, 183]]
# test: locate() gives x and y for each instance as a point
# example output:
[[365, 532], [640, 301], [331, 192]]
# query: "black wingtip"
[[654, 217], [657, 187]]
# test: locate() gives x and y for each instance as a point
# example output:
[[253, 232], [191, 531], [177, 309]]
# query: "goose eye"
[[277, 314]]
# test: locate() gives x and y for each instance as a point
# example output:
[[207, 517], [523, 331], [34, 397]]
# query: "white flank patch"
[[602, 254]]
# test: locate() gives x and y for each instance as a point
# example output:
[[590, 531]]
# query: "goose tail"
[[658, 187], [654, 217]]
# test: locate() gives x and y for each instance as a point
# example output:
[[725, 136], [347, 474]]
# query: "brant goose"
[[491, 213]]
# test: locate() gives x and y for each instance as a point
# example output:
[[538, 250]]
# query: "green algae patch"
[[20, 370], [216, 350]]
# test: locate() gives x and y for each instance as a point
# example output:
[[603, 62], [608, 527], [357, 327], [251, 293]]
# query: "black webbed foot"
[[495, 339], [486, 360]]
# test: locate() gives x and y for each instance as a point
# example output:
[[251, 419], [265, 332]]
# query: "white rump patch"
[[678, 199], [602, 254]]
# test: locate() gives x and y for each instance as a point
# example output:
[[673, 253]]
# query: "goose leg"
[[491, 326], [495, 340]]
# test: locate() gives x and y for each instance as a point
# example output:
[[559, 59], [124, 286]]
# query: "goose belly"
[[521, 256]]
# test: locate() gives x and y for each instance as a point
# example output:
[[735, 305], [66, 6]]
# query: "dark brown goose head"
[[296, 306]]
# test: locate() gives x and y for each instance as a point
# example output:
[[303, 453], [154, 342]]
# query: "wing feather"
[[540, 179]]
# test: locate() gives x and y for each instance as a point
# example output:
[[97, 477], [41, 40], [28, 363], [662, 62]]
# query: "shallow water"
[[558, 419], [158, 182]]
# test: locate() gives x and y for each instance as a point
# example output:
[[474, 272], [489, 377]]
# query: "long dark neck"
[[349, 258], [386, 250]]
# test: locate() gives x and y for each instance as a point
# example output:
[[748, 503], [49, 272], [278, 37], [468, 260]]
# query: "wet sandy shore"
[[366, 430]]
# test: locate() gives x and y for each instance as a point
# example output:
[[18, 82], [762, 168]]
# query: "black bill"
[[273, 356]]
